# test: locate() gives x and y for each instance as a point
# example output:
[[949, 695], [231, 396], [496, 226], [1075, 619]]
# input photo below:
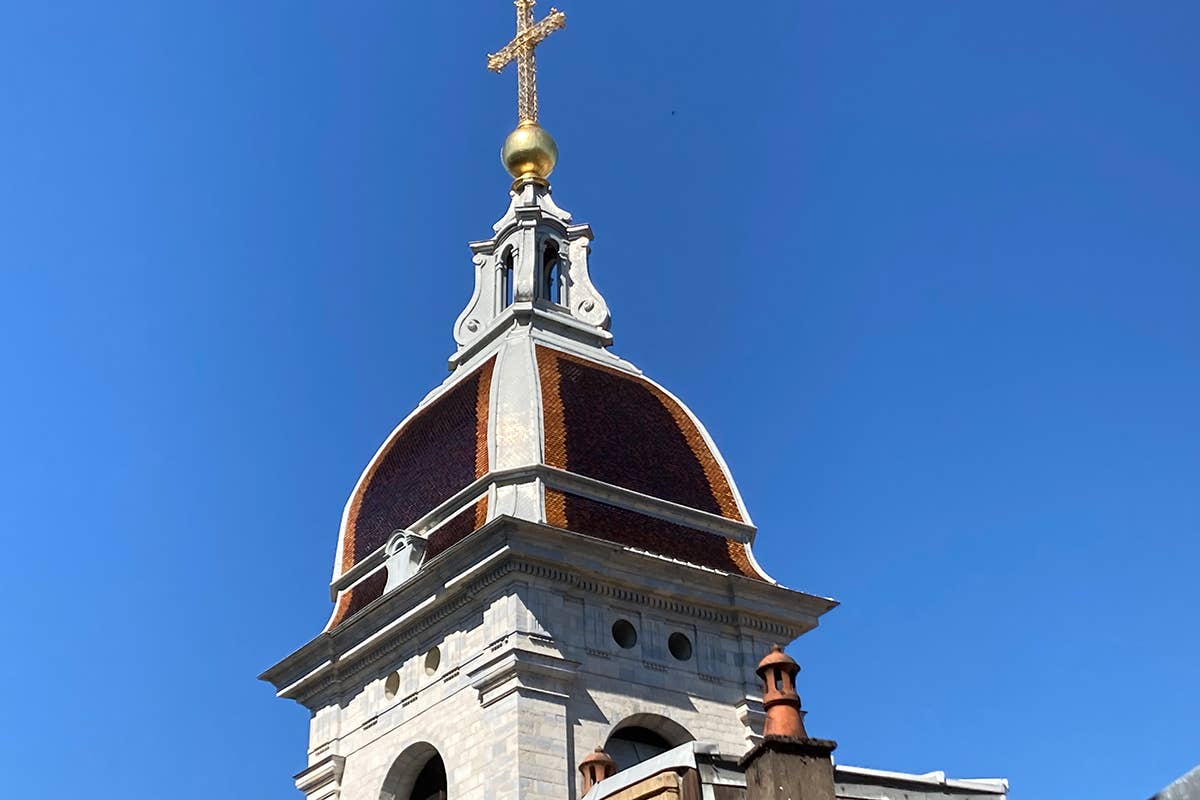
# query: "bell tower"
[[547, 556]]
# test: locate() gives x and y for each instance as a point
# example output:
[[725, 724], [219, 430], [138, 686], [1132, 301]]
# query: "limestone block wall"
[[528, 680], [511, 743]]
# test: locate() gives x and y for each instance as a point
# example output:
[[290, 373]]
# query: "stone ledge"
[[323, 780]]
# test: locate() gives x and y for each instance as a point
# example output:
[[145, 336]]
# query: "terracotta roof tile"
[[457, 528], [624, 430], [633, 529], [370, 588], [442, 449], [358, 597]]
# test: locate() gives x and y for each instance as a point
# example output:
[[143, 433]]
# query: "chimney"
[[595, 767], [787, 764]]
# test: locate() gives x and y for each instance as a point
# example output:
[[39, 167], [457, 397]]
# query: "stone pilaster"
[[527, 691]]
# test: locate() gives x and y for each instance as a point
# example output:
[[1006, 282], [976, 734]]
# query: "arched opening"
[[552, 278], [417, 774], [431, 781], [506, 279], [643, 736]]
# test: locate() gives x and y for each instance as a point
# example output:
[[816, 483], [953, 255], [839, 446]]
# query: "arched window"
[[417, 774], [552, 278], [644, 736], [506, 279]]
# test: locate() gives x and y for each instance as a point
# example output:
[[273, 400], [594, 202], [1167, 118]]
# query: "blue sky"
[[928, 273]]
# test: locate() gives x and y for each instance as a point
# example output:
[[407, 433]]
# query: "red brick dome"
[[652, 478]]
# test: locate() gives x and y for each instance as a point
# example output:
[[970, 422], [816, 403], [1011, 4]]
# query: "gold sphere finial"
[[529, 153]]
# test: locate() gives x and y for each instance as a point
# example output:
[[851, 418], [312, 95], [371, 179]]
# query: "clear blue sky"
[[930, 274]]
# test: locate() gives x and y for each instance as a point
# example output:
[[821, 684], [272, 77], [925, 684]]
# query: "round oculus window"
[[680, 646], [624, 633], [433, 660]]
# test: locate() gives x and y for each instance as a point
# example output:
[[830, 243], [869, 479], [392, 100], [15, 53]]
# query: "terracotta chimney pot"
[[595, 767], [778, 673]]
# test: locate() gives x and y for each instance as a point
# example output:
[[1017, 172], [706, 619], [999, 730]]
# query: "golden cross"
[[520, 49]]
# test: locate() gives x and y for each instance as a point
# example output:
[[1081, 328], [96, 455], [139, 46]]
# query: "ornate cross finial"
[[520, 49]]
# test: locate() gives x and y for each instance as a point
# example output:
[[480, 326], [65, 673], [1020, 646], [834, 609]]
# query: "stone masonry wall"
[[530, 680]]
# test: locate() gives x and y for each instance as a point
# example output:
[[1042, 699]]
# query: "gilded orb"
[[529, 152]]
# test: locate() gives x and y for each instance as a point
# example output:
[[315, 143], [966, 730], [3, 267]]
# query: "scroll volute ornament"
[[586, 303], [476, 315]]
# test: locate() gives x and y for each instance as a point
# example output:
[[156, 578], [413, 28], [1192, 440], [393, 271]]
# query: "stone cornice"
[[533, 314], [783, 626], [454, 580]]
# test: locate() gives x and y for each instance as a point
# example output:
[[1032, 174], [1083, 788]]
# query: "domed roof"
[[619, 458], [539, 422]]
